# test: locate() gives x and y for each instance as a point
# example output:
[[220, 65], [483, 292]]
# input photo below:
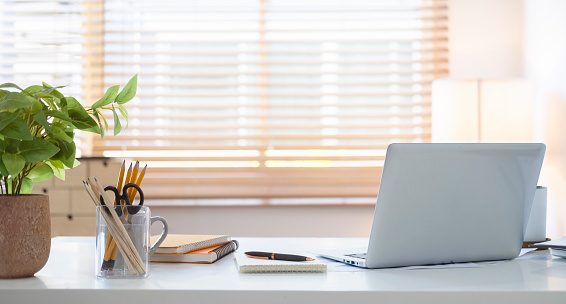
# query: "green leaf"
[[58, 133], [10, 85], [58, 168], [124, 112], [66, 153], [101, 129], [37, 150], [52, 102], [33, 89], [10, 145], [42, 94], [41, 119], [105, 122], [17, 129], [41, 173], [14, 163], [117, 124], [58, 114], [108, 97], [14, 101], [3, 170], [52, 90], [36, 105], [129, 91], [79, 116], [56, 164], [27, 185], [3, 93], [76, 163], [7, 117]]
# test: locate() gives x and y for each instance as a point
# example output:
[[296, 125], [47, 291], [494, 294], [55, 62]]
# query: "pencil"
[[131, 194], [133, 178], [120, 179], [109, 257], [128, 175], [138, 182]]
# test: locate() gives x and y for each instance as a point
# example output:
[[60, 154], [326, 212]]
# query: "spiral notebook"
[[183, 243], [250, 265], [205, 255]]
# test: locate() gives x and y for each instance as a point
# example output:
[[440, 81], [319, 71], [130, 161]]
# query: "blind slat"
[[215, 137], [212, 62], [231, 73], [276, 115], [197, 126], [208, 84], [295, 51], [129, 41], [341, 105], [110, 147]]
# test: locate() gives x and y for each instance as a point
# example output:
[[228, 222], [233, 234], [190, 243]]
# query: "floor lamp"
[[481, 110]]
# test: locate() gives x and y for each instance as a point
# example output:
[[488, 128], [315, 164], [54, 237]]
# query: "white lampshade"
[[482, 111]]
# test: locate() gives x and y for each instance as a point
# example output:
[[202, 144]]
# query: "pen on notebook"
[[277, 256]]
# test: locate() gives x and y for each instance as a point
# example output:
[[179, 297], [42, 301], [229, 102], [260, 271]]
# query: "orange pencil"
[[120, 179], [133, 193], [133, 178], [128, 176], [138, 182]]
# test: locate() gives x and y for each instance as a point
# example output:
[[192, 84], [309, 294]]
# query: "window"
[[260, 99]]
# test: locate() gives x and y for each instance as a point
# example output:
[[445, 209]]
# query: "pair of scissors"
[[130, 208]]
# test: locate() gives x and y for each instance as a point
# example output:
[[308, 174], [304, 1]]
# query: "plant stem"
[[13, 187], [6, 184], [21, 177]]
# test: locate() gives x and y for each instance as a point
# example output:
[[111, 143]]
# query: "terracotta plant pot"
[[25, 234]]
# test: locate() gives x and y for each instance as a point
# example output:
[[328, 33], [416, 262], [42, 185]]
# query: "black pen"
[[277, 256]]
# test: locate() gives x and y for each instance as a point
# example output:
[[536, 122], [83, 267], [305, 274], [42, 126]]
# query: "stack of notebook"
[[191, 248]]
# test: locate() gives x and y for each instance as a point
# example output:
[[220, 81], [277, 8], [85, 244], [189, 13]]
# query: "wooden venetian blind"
[[267, 98]]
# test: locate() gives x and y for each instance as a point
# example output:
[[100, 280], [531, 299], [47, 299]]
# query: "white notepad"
[[250, 265]]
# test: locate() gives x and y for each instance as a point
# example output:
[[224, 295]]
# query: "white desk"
[[69, 277]]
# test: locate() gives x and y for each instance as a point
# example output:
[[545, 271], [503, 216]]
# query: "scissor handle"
[[132, 209], [117, 196]]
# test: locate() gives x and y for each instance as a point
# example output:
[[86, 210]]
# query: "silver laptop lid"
[[444, 203]]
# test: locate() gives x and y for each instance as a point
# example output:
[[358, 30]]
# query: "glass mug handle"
[[163, 233]]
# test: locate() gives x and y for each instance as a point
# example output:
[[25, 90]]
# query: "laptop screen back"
[[447, 203]]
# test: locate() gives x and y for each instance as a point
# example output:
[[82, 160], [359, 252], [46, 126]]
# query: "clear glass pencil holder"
[[123, 246]]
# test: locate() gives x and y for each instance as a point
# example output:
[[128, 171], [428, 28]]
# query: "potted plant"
[[37, 129]]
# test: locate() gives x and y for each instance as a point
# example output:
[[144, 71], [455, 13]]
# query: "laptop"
[[450, 203]]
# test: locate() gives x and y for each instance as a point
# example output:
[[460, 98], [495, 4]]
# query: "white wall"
[[276, 221], [545, 67], [486, 39], [521, 39]]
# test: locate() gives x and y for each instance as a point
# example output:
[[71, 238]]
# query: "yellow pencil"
[[138, 182], [120, 179], [133, 178], [127, 180], [130, 178]]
